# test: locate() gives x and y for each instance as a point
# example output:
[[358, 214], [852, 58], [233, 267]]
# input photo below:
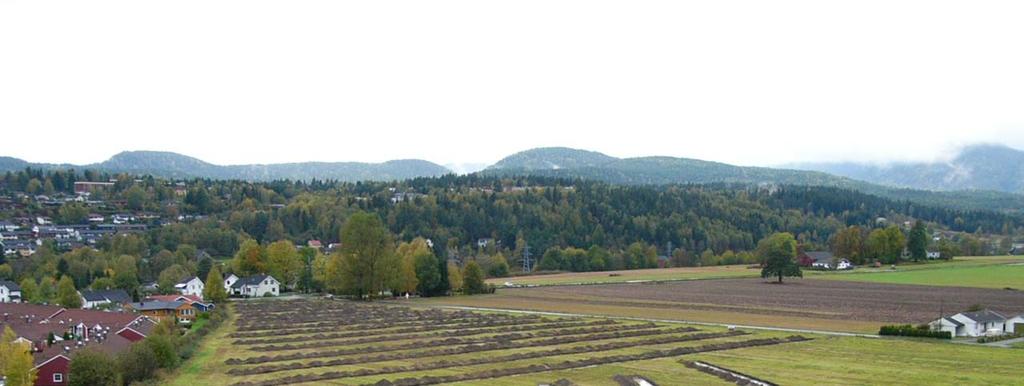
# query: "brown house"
[[181, 311]]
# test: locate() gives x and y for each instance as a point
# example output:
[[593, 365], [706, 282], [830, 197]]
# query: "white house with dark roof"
[[255, 286], [190, 286], [96, 298], [229, 281], [973, 324], [10, 292]]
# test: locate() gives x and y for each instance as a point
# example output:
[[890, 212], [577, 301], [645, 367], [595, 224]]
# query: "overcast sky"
[[745, 82]]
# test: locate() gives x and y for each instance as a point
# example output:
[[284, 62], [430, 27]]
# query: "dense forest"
[[566, 224]]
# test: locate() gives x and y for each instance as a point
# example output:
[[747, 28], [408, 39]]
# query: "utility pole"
[[526, 258]]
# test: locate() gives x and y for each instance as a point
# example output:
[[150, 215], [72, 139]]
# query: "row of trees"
[[887, 245]]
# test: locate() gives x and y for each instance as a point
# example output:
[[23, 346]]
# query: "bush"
[[908, 330], [997, 338]]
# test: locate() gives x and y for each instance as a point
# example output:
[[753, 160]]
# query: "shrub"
[[908, 330], [997, 338]]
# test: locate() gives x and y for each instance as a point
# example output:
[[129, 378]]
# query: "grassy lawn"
[[992, 272], [207, 366], [865, 361]]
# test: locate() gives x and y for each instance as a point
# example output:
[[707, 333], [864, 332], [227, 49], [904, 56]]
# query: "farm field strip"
[[491, 336], [614, 345], [388, 329], [823, 299], [456, 352], [450, 341], [366, 325], [509, 371], [424, 332]]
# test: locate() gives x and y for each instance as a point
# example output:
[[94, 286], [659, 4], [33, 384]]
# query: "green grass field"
[[1003, 276], [866, 361]]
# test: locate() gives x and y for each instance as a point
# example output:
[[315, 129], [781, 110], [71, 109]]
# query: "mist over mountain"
[[976, 167], [574, 163]]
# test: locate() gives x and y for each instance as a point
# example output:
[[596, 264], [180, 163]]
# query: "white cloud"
[[748, 82]]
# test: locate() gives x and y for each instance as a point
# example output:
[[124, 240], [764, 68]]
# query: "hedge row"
[[908, 330]]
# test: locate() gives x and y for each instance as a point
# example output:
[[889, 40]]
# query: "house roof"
[[953, 321], [187, 279], [820, 255], [174, 298], [11, 286], [984, 316], [249, 280], [113, 296], [156, 305]]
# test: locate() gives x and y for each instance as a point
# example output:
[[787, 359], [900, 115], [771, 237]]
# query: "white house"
[[934, 255], [9, 292], [190, 286], [8, 226], [229, 281], [972, 324], [255, 286], [825, 260], [1015, 324]]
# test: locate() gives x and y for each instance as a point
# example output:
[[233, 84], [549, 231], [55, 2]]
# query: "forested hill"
[[174, 165], [983, 167], [573, 163]]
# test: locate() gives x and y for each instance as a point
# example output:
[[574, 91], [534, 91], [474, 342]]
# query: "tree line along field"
[[978, 271], [273, 342]]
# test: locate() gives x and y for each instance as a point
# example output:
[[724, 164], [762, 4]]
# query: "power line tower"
[[526, 258]]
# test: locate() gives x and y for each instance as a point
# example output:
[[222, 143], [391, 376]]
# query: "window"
[[58, 377]]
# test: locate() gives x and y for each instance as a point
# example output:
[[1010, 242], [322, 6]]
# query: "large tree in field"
[[473, 279], [917, 244], [368, 260], [778, 252]]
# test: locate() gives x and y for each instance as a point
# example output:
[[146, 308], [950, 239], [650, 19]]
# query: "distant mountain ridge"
[[573, 163], [930, 184], [174, 165], [976, 167]]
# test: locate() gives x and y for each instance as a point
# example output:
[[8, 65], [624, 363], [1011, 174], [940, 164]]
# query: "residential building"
[[181, 311], [255, 286], [190, 286], [10, 292], [972, 324], [110, 332], [96, 298]]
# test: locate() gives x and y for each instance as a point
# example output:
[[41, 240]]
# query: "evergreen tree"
[[214, 290], [917, 244]]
